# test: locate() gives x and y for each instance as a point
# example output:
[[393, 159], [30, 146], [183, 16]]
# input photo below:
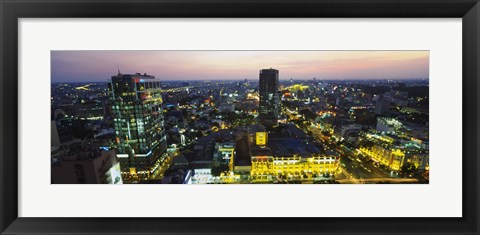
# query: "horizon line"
[[310, 79]]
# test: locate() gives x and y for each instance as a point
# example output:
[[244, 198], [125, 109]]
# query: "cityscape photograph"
[[239, 117]]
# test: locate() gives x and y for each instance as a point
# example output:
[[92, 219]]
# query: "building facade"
[[269, 106], [293, 165], [386, 155], [139, 124], [394, 151], [224, 155], [84, 163]]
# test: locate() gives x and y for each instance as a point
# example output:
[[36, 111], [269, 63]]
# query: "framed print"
[[239, 117]]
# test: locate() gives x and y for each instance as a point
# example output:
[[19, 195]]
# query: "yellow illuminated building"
[[228, 153], [297, 87], [419, 160], [225, 153], [394, 155], [261, 138], [392, 158], [85, 87], [293, 165]]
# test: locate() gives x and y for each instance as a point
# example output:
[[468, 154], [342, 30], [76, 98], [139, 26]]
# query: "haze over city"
[[86, 66]]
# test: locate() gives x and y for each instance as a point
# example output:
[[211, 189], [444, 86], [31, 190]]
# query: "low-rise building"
[[294, 165], [386, 155], [393, 151], [81, 163]]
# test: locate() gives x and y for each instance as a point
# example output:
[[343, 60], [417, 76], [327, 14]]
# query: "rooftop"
[[78, 150], [290, 146]]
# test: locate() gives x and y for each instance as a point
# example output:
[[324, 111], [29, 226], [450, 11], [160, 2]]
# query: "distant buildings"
[[139, 124], [382, 106], [269, 109], [237, 131]]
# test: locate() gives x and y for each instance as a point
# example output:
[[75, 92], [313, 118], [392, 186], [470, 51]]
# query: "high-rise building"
[[269, 99], [139, 124]]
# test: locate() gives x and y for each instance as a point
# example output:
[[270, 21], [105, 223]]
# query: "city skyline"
[[145, 127], [88, 66]]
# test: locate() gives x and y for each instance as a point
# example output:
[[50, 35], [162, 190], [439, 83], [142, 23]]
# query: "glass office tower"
[[139, 125], [269, 109]]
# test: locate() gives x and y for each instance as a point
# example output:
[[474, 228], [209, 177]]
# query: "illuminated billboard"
[[261, 138]]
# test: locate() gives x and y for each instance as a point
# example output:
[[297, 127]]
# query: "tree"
[[216, 171], [309, 115], [408, 168], [199, 134], [366, 144]]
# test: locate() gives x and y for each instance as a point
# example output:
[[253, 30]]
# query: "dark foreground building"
[[84, 162]]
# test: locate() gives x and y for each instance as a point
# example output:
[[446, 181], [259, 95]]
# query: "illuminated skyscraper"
[[269, 99], [139, 125]]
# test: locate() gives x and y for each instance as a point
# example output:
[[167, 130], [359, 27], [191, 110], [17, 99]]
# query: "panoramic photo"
[[239, 117]]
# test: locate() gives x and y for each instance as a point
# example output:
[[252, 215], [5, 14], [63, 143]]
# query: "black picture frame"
[[11, 11]]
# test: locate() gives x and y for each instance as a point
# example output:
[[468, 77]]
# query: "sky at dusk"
[[78, 66]]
